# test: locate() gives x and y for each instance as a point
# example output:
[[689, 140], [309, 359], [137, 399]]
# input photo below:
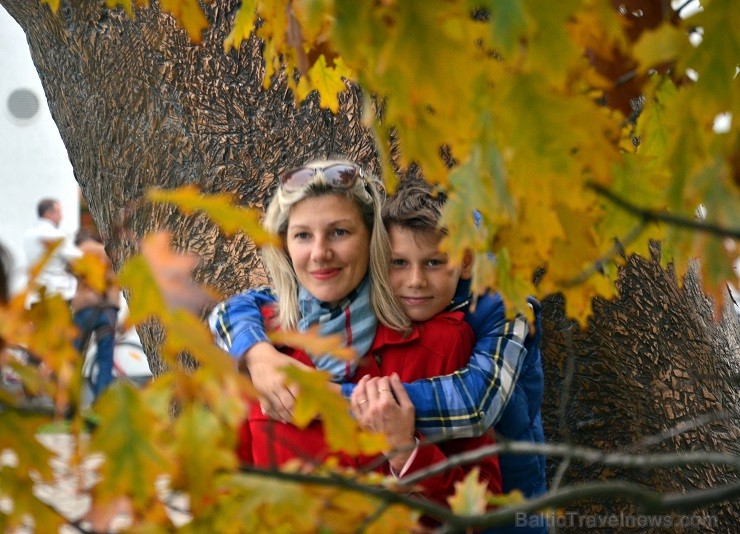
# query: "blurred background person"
[[96, 311], [55, 276]]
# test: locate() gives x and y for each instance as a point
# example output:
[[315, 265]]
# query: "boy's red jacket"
[[435, 347]]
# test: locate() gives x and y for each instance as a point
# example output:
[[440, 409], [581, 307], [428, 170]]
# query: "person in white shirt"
[[55, 276]]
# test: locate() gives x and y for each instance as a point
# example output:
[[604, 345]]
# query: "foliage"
[[518, 108], [529, 99]]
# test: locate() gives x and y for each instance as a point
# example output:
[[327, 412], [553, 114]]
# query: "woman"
[[332, 271]]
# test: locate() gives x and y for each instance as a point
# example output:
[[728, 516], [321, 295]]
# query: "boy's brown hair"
[[416, 205]]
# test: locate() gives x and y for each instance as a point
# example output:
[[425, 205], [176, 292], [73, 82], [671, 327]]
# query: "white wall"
[[33, 160]]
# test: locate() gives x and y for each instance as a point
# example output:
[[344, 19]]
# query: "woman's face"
[[329, 246]]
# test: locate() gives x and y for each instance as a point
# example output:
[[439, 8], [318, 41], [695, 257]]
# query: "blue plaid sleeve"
[[237, 323], [471, 400]]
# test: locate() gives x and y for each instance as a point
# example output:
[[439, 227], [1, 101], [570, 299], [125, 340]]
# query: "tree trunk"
[[649, 361], [138, 106]]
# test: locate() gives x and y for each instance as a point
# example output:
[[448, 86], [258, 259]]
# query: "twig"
[[369, 520], [650, 216], [599, 264], [564, 401], [574, 452], [681, 427]]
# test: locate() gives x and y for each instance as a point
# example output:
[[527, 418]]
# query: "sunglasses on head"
[[339, 175]]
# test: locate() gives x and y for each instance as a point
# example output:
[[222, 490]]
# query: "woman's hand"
[[264, 363], [382, 405]]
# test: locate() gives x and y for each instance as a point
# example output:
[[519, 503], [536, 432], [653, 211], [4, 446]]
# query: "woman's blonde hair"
[[367, 194]]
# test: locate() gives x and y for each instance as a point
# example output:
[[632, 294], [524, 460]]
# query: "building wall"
[[33, 160]]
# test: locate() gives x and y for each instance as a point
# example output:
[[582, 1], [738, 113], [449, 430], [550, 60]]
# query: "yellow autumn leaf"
[[660, 46], [512, 498], [328, 81], [314, 343], [470, 496], [317, 400], [189, 15], [125, 4], [147, 301], [92, 270], [163, 280], [18, 489], [243, 25], [221, 208], [53, 4]]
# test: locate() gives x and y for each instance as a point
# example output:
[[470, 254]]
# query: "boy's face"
[[421, 277]]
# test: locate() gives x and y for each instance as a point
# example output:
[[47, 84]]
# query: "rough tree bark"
[[137, 106]]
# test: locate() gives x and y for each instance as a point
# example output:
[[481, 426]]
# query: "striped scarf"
[[352, 318]]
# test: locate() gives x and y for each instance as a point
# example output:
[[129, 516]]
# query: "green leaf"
[[203, 449], [127, 435], [660, 46]]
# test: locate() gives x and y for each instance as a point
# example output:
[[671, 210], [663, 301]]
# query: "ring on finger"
[[381, 390], [362, 401]]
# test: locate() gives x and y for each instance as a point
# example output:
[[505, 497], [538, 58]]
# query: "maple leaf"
[[216, 382], [661, 45], [19, 435], [470, 495], [715, 59], [18, 489], [510, 23], [317, 400], [127, 434], [190, 16], [53, 4], [265, 504], [243, 25], [222, 210], [51, 340], [147, 301], [203, 449], [92, 270], [314, 343], [172, 274], [328, 81]]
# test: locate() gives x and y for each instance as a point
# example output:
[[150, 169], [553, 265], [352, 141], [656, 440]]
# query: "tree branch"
[[573, 452], [647, 500], [681, 427], [649, 216]]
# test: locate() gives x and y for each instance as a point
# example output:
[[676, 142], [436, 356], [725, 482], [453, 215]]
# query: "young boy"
[[425, 285], [424, 282]]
